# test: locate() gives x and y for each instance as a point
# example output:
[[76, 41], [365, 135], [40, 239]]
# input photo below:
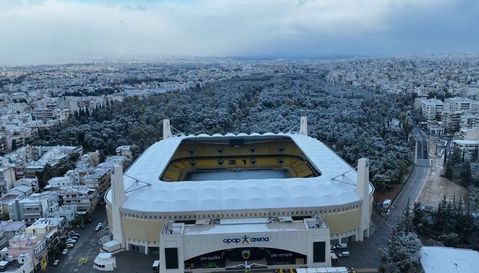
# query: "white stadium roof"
[[147, 193]]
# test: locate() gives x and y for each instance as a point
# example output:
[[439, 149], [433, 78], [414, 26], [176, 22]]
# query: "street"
[[86, 246], [366, 254]]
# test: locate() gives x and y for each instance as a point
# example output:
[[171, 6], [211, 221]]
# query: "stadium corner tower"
[[232, 201]]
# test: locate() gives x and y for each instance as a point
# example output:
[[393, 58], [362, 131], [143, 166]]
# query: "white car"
[[65, 251], [98, 227], [344, 254]]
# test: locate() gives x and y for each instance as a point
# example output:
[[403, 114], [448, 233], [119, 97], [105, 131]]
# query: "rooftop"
[[146, 192], [447, 259], [466, 142], [250, 225], [11, 225]]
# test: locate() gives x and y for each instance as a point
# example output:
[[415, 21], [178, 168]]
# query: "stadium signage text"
[[245, 240]]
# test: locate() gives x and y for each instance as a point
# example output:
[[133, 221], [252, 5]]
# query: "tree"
[[401, 254], [475, 155], [449, 172], [466, 174], [405, 223]]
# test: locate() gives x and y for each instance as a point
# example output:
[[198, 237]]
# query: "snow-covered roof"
[[335, 185], [466, 142], [246, 227], [447, 259]]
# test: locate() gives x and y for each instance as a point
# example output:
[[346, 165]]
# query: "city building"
[[100, 180], [435, 128], [60, 181], [68, 212], [469, 134], [451, 121], [7, 199], [469, 120], [85, 199], [21, 264], [125, 150], [219, 189], [33, 245], [50, 229], [32, 182], [31, 208], [467, 148], [3, 239], [7, 176], [457, 104], [11, 228], [432, 108]]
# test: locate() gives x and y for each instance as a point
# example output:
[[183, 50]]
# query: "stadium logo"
[[245, 240]]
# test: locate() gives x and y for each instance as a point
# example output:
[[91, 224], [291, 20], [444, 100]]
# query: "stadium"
[[238, 201]]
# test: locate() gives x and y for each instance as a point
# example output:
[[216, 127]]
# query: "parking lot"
[[364, 256]]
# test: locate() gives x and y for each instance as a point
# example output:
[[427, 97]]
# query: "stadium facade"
[[239, 200]]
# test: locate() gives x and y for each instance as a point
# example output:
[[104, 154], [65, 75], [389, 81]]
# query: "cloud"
[[60, 30]]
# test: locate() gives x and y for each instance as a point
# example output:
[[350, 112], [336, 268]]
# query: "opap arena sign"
[[245, 240]]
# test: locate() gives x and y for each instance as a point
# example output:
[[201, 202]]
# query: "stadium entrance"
[[255, 257], [255, 243]]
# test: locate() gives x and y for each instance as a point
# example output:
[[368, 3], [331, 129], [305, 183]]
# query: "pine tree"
[[401, 254], [475, 155], [449, 172], [466, 176]]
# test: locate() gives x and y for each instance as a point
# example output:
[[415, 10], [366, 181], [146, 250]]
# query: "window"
[[319, 251], [171, 258]]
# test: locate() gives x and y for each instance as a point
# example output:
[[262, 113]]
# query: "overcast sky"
[[52, 31]]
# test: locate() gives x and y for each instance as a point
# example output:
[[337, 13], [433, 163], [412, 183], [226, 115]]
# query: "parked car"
[[344, 254], [65, 251], [70, 245], [334, 258], [56, 262], [98, 227], [71, 241], [74, 238]]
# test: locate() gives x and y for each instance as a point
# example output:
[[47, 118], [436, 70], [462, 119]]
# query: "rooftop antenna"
[[303, 126]]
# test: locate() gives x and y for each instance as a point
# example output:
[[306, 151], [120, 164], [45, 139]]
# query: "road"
[[416, 180], [365, 255], [86, 246]]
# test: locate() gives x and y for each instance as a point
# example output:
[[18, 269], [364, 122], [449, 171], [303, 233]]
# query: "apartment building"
[[100, 179], [33, 245], [432, 108], [84, 198], [451, 121], [68, 212], [33, 207]]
